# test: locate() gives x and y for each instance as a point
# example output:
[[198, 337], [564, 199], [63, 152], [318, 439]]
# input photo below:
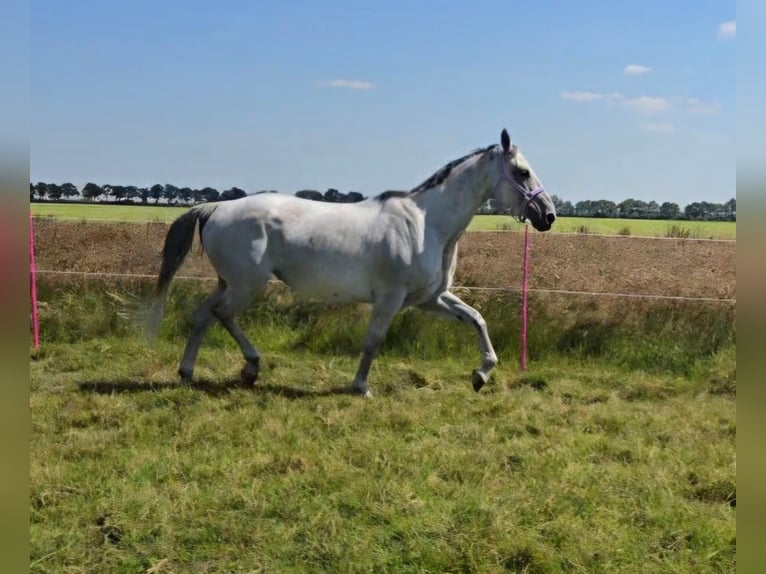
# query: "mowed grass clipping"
[[592, 461], [633, 227]]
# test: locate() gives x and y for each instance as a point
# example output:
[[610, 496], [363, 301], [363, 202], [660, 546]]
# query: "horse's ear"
[[505, 140]]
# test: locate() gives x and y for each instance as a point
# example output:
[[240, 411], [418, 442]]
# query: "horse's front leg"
[[452, 306], [384, 309]]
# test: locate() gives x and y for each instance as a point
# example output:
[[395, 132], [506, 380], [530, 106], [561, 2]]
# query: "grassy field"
[[106, 212], [635, 227], [615, 452], [693, 229]]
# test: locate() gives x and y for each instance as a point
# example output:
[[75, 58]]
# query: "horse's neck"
[[450, 207]]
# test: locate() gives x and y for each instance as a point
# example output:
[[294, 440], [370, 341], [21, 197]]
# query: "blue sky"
[[606, 100]]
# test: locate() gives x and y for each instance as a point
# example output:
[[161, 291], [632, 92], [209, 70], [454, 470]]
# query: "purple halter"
[[527, 195]]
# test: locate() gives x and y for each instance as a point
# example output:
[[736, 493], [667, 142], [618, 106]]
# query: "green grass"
[[603, 457], [638, 227], [692, 229], [107, 212]]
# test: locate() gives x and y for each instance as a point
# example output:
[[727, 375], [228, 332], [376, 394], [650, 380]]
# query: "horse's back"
[[330, 251], [339, 252]]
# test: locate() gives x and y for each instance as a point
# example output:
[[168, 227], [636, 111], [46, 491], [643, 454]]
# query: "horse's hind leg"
[[233, 301], [203, 318]]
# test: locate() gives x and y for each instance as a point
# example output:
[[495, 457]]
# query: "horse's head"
[[518, 189]]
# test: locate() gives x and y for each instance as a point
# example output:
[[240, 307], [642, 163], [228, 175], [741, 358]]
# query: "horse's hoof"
[[364, 393], [478, 379], [186, 377], [248, 376]]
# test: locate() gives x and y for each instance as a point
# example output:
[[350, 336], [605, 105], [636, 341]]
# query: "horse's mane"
[[437, 178], [391, 193]]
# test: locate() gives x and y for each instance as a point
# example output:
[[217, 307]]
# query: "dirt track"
[[644, 266]]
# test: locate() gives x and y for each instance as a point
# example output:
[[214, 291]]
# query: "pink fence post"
[[33, 282], [524, 292]]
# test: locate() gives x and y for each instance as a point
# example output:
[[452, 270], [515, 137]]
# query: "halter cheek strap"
[[526, 194]]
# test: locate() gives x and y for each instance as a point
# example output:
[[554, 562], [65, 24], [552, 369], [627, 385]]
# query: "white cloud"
[[643, 104], [658, 127], [582, 96], [727, 29], [636, 70], [699, 107], [349, 84], [647, 104], [590, 96]]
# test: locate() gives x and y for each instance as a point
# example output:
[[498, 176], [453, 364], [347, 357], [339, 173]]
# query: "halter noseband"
[[527, 195]]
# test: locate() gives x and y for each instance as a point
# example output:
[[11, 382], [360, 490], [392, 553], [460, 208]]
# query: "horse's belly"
[[341, 287]]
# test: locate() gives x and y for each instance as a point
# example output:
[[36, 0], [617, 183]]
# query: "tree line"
[[168, 194], [157, 194], [164, 194], [638, 209]]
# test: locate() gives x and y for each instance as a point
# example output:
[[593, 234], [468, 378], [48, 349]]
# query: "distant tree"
[[185, 194], [42, 190], [209, 194], [642, 209], [156, 192], [567, 209], [54, 191], [588, 208], [354, 196], [632, 209], [131, 193], [332, 195], [170, 193], [69, 190], [695, 210], [604, 208], [584, 208], [717, 212], [310, 194], [233, 193], [557, 203], [669, 210], [119, 192], [652, 210], [92, 191]]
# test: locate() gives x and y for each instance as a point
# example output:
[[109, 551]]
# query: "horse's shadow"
[[208, 387]]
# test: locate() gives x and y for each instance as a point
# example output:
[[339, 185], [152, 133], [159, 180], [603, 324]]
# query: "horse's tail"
[[178, 242]]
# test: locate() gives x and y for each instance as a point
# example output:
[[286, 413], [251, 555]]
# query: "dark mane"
[[435, 179], [391, 193], [444, 172]]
